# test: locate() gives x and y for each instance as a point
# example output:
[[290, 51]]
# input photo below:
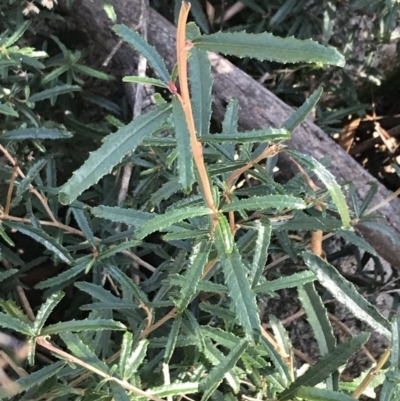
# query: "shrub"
[[182, 321]]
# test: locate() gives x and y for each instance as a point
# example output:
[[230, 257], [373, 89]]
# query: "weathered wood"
[[259, 107]]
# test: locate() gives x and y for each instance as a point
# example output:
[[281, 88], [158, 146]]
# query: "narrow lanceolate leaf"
[[35, 133], [145, 80], [291, 281], [390, 389], [43, 238], [182, 136], [135, 359], [200, 84], [34, 379], [317, 317], [9, 322], [82, 325], [225, 241], [308, 223], [55, 91], [242, 297], [210, 383], [278, 202], [127, 282], [329, 181], [357, 240], [83, 224], [65, 275], [262, 135], [229, 125], [172, 338], [44, 312], [7, 110], [278, 362], [198, 260], [326, 365], [303, 111], [346, 293], [319, 394], [162, 221], [149, 52], [265, 46], [174, 389], [82, 351], [6, 274], [120, 215], [260, 252], [114, 148]]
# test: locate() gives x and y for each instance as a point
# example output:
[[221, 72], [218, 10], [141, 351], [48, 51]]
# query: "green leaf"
[[65, 276], [127, 282], [278, 362], [182, 136], [242, 297], [291, 281], [82, 325], [169, 188], [260, 251], [346, 293], [265, 46], [172, 338], [198, 261], [91, 72], [224, 236], [149, 52], [43, 238], [302, 222], [129, 217], [357, 240], [83, 224], [76, 345], [329, 181], [229, 125], [27, 382], [391, 389], [132, 361], [210, 383], [201, 85], [8, 110], [9, 322], [326, 365], [162, 221], [317, 317], [8, 273], [145, 81], [199, 16], [17, 33], [319, 394], [174, 389], [35, 133], [262, 135], [114, 148], [278, 202], [117, 249], [54, 91], [44, 312], [303, 111]]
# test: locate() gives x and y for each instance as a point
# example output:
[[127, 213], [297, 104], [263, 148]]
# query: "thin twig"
[[42, 199], [45, 344]]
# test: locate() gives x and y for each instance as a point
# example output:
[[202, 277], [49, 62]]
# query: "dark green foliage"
[[162, 292]]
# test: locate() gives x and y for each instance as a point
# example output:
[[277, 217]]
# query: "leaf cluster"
[[159, 297]]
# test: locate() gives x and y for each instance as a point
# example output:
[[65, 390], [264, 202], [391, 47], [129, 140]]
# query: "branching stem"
[[182, 49]]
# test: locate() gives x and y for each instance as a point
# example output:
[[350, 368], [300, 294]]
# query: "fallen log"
[[259, 107]]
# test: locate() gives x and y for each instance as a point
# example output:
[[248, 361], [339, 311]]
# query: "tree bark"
[[258, 106]]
